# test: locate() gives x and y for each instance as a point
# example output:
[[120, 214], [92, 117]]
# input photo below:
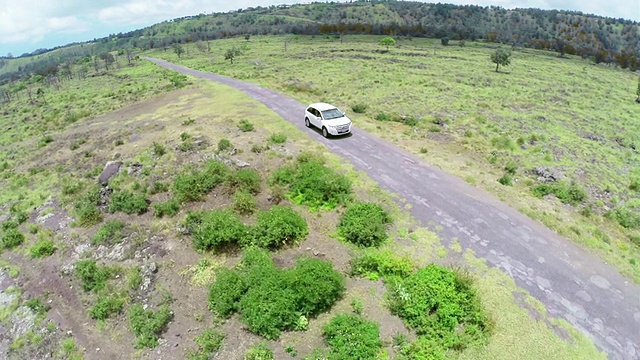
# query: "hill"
[[601, 39]]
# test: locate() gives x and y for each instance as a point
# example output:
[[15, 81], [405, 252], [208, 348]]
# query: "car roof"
[[322, 106]]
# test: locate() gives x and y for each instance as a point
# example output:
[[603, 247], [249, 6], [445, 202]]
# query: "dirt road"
[[573, 284]]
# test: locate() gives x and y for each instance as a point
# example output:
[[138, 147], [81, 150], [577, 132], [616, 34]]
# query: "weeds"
[[245, 180], [109, 233], [86, 208], [381, 263], [168, 208], [209, 341], [259, 352], [159, 149], [364, 224], [278, 138], [92, 276], [568, 193], [359, 108], [106, 307], [128, 202], [245, 126], [244, 203], [279, 226], [224, 144], [147, 325], [11, 238], [350, 337], [42, 248], [192, 184]]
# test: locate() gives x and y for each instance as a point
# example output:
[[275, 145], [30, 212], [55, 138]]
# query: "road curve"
[[572, 283]]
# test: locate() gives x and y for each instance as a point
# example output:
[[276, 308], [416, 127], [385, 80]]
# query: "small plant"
[[383, 117], [168, 208], [245, 179], [105, 307], [245, 126], [192, 184], [47, 139], [279, 226], [224, 144], [244, 203], [350, 337], [375, 264], [215, 229], [568, 193], [134, 279], [109, 233], [159, 149], [147, 325], [364, 224], [42, 248], [37, 307], [359, 108], [356, 305], [424, 150], [506, 179], [119, 142], [11, 238], [278, 138], [86, 209], [256, 149], [92, 276], [188, 122], [128, 203], [259, 352], [209, 341], [291, 350], [511, 168], [159, 187]]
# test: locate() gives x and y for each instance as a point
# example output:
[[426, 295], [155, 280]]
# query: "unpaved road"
[[572, 283]]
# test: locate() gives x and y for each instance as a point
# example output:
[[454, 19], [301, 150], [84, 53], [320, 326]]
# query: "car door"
[[316, 119]]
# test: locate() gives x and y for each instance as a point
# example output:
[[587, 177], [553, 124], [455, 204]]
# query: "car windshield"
[[332, 114]]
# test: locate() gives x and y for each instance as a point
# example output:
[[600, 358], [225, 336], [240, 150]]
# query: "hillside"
[[601, 39]]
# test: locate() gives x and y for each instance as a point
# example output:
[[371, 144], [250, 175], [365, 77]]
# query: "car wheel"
[[306, 122], [325, 133]]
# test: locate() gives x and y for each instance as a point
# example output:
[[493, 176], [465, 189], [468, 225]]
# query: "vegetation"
[[387, 42], [168, 208], [147, 325], [209, 341], [42, 248], [245, 180], [86, 208], [244, 203], [109, 233], [311, 183], [279, 226], [10, 238], [92, 276], [278, 138], [215, 229], [128, 202], [245, 125], [106, 307], [193, 184], [381, 264], [259, 352], [350, 337], [271, 300], [364, 224], [501, 57], [567, 192]]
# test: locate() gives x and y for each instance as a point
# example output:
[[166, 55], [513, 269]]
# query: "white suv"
[[327, 118]]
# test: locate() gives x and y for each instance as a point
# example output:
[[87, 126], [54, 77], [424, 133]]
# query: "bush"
[[506, 179], [159, 149], [45, 140], [105, 307], [245, 125], [109, 233], [159, 187], [503, 142], [226, 292], [383, 117], [86, 208], [168, 208], [209, 341], [278, 138], [11, 238], [271, 300], [42, 248], [316, 285], [375, 264], [245, 179], [511, 168], [192, 184], [411, 121], [224, 144], [128, 203], [311, 183], [627, 218], [244, 203], [216, 228], [259, 352], [92, 276], [364, 224], [440, 304], [359, 108], [567, 193], [279, 226], [147, 325], [350, 337]]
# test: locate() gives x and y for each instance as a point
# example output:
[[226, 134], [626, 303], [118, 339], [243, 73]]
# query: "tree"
[[501, 57], [388, 41], [108, 59], [444, 41], [638, 91], [247, 37], [178, 50], [231, 54]]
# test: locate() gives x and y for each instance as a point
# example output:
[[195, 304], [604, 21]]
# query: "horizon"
[[70, 30]]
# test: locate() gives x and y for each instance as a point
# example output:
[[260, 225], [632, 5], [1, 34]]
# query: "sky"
[[27, 25]]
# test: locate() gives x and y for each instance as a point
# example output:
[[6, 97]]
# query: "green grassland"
[[152, 136], [564, 114]]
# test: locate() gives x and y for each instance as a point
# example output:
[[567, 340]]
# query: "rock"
[[547, 175], [135, 169], [109, 171], [105, 193], [117, 156]]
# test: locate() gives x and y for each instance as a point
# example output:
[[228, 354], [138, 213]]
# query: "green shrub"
[[350, 337], [11, 238], [627, 218], [168, 208], [92, 276], [316, 286], [278, 138], [105, 307], [506, 179], [423, 348], [567, 193], [311, 183], [10, 224], [383, 117], [216, 228], [147, 325], [279, 226], [359, 108], [37, 307], [411, 121], [503, 142], [244, 203], [86, 208], [245, 125], [245, 179], [257, 149], [209, 341], [226, 292], [128, 203], [159, 187], [440, 304], [187, 144], [364, 224], [224, 144], [42, 248], [45, 140], [192, 184], [159, 149], [634, 184], [109, 233], [259, 352], [381, 263], [511, 168]]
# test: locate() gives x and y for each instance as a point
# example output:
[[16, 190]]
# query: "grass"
[[496, 114], [148, 324], [109, 233]]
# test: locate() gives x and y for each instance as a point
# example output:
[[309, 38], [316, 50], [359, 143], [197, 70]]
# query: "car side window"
[[314, 112]]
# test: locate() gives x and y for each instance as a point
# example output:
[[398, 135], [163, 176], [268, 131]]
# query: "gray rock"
[[547, 175], [135, 169], [109, 171]]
